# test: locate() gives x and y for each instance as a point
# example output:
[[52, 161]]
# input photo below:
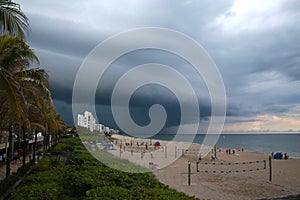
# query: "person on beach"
[[151, 155], [213, 158], [199, 157], [21, 155], [21, 152], [15, 155]]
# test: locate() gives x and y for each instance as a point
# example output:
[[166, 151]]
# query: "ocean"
[[263, 143]]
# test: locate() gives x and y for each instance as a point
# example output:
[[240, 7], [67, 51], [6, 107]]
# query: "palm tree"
[[15, 58], [12, 20], [56, 126], [38, 98], [22, 90]]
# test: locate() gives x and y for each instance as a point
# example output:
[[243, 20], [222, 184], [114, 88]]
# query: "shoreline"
[[261, 143], [248, 185], [222, 147]]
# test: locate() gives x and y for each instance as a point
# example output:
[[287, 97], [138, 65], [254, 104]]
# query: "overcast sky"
[[255, 44]]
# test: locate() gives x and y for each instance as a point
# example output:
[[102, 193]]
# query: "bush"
[[59, 149], [45, 182], [43, 185], [87, 178], [24, 169], [8, 182], [13, 178], [109, 192]]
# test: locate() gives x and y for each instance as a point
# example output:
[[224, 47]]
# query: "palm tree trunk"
[[34, 145], [24, 145], [44, 141], [58, 138], [9, 152], [50, 140], [47, 141]]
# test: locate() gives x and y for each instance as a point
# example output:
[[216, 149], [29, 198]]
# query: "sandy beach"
[[172, 168]]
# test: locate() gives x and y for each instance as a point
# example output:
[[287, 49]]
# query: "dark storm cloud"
[[258, 54], [66, 37]]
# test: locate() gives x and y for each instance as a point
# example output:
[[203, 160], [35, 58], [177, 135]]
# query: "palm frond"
[[13, 21]]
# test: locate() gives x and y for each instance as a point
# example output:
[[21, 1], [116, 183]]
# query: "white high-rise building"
[[87, 120], [90, 120], [81, 121]]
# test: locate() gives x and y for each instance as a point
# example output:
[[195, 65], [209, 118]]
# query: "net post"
[[189, 173], [215, 151], [166, 152], [270, 168]]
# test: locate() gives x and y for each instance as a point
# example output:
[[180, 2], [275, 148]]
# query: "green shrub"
[[43, 165], [87, 178], [6, 183], [59, 148], [45, 182], [109, 192], [44, 185]]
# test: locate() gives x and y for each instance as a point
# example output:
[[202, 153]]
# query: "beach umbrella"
[[157, 144], [239, 149]]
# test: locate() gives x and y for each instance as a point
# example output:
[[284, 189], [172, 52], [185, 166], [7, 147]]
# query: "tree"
[[17, 84], [12, 20], [38, 99], [23, 90]]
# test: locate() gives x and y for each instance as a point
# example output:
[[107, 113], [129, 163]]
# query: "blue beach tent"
[[277, 155]]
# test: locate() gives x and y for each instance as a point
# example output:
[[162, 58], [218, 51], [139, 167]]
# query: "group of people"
[[232, 151], [213, 157], [143, 154], [132, 146], [279, 155], [17, 155], [137, 146]]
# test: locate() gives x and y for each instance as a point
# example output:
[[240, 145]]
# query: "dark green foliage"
[[109, 192], [42, 185], [87, 178], [13, 178], [59, 148], [6, 183], [46, 164]]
